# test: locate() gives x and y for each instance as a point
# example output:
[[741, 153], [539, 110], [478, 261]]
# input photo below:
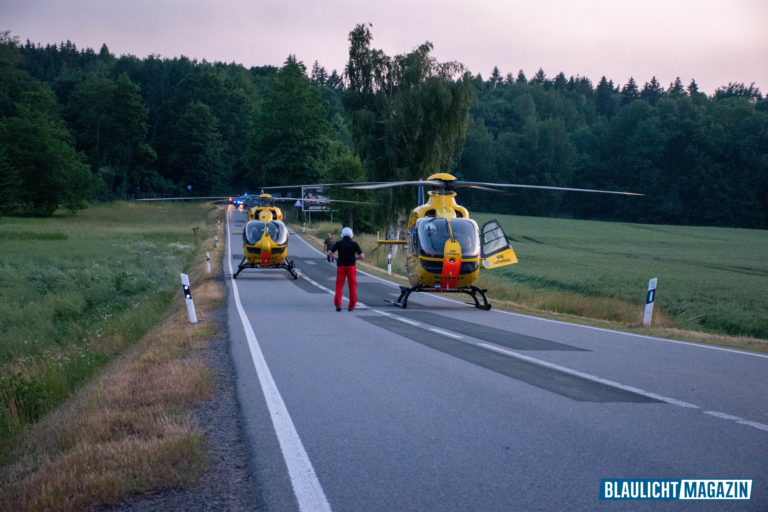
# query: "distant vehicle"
[[243, 200]]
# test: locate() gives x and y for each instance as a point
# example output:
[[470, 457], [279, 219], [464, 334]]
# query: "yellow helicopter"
[[265, 238], [445, 247]]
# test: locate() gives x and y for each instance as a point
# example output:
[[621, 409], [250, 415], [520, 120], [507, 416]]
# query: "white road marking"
[[405, 320], [754, 424], [359, 305], [446, 333], [306, 487], [318, 285], [723, 416]]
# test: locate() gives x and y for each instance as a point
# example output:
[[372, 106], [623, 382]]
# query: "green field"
[[711, 279], [76, 290]]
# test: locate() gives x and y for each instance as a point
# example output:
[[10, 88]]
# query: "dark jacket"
[[347, 249]]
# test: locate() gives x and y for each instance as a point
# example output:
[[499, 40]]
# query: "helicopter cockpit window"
[[277, 232], [253, 232], [433, 233]]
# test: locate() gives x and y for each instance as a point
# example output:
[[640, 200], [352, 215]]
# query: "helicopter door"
[[495, 251]]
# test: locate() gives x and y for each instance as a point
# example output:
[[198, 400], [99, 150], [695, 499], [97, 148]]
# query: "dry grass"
[[130, 431]]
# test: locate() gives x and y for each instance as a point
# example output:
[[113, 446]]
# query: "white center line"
[[446, 333], [722, 415]]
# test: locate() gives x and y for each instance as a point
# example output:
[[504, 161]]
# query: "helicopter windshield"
[[433, 233], [253, 232], [277, 232]]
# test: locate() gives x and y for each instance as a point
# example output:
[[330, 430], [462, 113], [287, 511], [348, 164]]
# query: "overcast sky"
[[711, 41]]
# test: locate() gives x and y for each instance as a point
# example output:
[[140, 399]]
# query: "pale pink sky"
[[713, 41]]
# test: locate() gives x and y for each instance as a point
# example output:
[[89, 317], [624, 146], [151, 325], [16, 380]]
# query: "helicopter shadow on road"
[[382, 295], [262, 275]]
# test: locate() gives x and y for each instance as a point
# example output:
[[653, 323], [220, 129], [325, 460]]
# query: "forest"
[[79, 125]]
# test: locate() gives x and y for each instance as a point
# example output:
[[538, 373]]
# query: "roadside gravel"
[[228, 485]]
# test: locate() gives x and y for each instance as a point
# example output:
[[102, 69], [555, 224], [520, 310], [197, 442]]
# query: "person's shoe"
[[350, 309], [338, 308]]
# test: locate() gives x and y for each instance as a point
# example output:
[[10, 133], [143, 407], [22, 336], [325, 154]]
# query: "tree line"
[[78, 125]]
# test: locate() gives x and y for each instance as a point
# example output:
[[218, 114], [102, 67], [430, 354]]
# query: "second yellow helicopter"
[[265, 239]]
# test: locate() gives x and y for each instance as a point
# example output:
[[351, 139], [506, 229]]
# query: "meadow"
[[75, 291], [711, 280]]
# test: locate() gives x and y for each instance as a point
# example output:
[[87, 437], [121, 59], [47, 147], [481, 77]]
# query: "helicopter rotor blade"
[[276, 187], [478, 187], [388, 184], [474, 184], [183, 198], [314, 200]]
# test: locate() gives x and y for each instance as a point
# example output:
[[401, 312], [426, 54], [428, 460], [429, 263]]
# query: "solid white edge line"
[[602, 329], [306, 486]]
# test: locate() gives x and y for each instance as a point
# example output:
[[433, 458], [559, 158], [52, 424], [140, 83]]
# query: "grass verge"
[[127, 429]]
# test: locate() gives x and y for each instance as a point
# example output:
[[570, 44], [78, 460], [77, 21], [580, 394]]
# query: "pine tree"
[[495, 79], [605, 101], [676, 88], [652, 91], [319, 75], [629, 92]]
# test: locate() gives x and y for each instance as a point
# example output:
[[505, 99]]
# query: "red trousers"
[[349, 273]]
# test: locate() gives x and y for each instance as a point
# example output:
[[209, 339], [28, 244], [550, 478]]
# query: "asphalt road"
[[444, 407]]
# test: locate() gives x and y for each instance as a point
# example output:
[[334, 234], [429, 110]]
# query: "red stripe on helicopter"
[[265, 257], [451, 269]]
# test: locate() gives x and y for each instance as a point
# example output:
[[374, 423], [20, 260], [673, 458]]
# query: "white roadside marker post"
[[217, 241], [649, 302], [389, 263], [188, 298], [208, 261]]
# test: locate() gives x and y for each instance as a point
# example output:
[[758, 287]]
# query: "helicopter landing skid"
[[289, 266], [472, 290]]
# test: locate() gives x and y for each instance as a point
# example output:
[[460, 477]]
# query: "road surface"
[[444, 407]]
